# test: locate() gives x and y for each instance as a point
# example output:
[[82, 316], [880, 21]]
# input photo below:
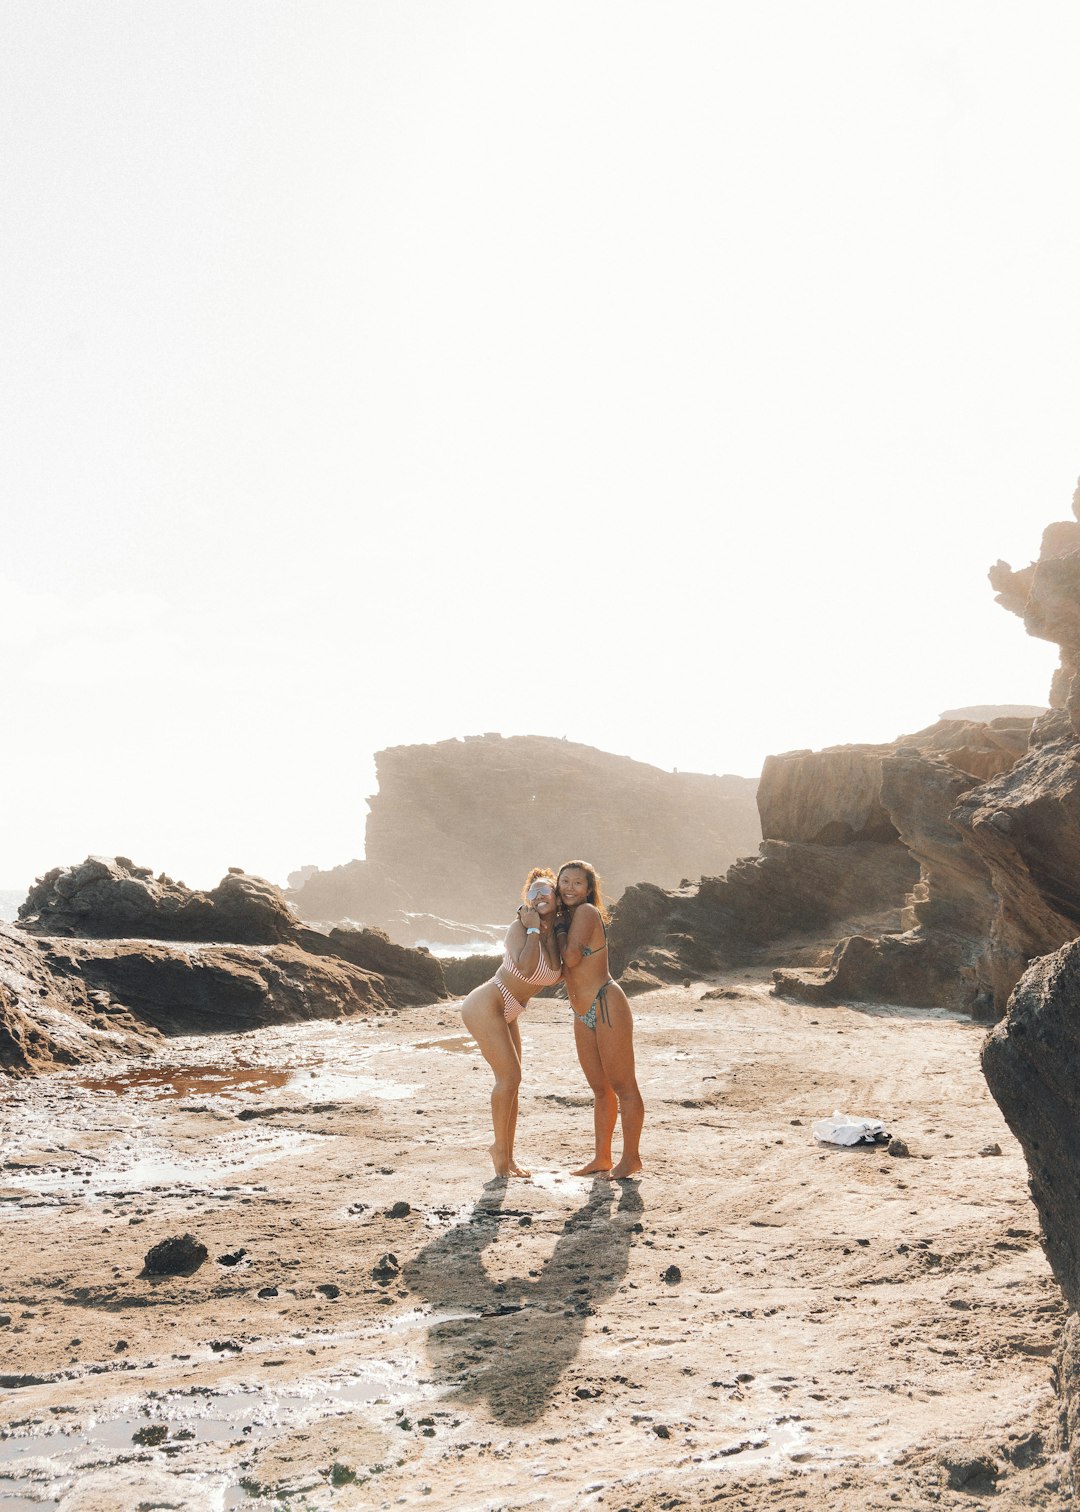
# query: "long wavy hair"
[[540, 874], [594, 895]]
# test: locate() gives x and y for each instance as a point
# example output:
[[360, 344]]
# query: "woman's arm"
[[582, 927], [524, 948]]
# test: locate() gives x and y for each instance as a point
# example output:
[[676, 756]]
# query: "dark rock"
[[267, 1291], [217, 988], [991, 1149], [1032, 1064], [462, 973], [226, 1346], [1026, 1451], [93, 946], [151, 1435], [967, 1468], [328, 1289], [399, 1210], [673, 1275], [898, 1148], [661, 1430], [387, 1269], [416, 975], [113, 899], [175, 1257], [789, 890], [232, 1259]]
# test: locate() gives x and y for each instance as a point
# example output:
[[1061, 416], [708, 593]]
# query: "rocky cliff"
[[454, 828], [106, 958], [857, 850]]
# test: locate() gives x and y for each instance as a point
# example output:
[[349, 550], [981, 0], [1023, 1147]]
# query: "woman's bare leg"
[[605, 1103], [615, 1047], [511, 1125], [482, 1012]]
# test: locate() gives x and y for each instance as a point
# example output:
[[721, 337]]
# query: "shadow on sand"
[[522, 1333]]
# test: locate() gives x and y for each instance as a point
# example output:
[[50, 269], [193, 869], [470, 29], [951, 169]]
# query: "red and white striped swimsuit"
[[543, 975]]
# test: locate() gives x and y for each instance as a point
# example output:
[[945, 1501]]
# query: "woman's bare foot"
[[595, 1167], [624, 1169], [517, 1170], [499, 1160]]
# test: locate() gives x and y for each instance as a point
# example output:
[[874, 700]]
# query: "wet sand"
[[843, 1329]]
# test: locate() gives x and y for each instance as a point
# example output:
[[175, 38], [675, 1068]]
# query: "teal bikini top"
[[585, 949]]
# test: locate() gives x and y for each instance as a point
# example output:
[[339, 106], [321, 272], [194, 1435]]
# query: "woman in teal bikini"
[[603, 1023]]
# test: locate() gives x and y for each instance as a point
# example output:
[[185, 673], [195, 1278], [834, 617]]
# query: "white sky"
[[663, 375]]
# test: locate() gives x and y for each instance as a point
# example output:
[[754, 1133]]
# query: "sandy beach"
[[759, 1321]]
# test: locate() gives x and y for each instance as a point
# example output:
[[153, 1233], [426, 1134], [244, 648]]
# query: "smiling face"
[[541, 896], [573, 886]]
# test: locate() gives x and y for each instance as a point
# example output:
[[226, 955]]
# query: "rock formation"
[[999, 850], [1026, 828], [112, 898], [1032, 1064], [454, 828], [105, 959], [858, 849], [942, 955]]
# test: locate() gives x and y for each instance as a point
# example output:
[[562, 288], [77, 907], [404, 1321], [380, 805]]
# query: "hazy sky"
[[666, 376]]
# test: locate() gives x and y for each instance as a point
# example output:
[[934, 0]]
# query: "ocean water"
[[9, 902]]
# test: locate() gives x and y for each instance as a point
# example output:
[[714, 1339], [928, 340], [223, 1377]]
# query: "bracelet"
[[532, 931]]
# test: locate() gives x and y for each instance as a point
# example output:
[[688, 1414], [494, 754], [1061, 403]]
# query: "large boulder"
[[1032, 1065], [829, 797]]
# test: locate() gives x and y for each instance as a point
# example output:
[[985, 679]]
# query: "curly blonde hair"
[[539, 874]]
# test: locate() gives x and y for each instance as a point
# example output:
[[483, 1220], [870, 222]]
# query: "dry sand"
[[851, 1330]]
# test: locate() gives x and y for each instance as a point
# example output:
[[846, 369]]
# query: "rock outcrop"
[[455, 827], [858, 847], [1025, 826], [1032, 1065], [112, 898], [106, 959], [50, 1019], [1000, 848]]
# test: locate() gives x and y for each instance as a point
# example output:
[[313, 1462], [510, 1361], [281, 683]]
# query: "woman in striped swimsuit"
[[530, 961]]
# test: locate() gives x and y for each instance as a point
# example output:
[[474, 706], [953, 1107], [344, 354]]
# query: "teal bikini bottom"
[[589, 1019]]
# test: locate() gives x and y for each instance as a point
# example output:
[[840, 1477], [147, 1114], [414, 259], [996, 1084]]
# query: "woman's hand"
[[529, 917]]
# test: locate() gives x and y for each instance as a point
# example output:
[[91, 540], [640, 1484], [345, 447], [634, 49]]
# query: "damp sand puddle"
[[178, 1428], [115, 1145]]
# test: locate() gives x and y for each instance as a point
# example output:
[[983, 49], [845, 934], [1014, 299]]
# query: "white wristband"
[[532, 931]]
